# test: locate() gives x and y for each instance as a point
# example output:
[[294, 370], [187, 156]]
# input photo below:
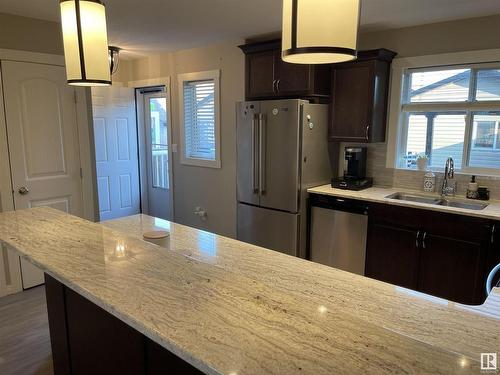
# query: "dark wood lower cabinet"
[[88, 340], [392, 255], [444, 255], [451, 269], [441, 254]]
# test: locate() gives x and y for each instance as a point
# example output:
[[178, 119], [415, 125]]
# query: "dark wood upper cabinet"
[[260, 74], [267, 76], [292, 79], [359, 97]]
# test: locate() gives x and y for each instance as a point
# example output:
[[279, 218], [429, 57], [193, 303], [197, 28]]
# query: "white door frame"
[[87, 160], [162, 81]]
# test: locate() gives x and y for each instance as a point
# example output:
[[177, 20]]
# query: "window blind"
[[199, 119]]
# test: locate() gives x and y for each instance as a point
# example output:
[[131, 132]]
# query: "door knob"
[[23, 190]]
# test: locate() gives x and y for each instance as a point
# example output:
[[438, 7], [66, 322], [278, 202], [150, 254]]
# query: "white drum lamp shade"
[[85, 42], [319, 31]]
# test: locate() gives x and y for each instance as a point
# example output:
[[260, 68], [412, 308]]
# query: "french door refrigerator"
[[282, 150]]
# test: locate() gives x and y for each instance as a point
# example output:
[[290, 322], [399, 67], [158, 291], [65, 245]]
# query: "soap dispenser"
[[429, 182], [472, 189]]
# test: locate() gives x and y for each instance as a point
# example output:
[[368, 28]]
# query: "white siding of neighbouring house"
[[484, 158], [417, 133], [448, 139]]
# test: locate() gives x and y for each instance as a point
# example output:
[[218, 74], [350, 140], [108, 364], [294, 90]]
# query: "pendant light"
[[319, 31], [85, 42]]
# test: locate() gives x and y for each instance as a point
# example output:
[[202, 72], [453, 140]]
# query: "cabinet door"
[[292, 79], [352, 101], [451, 268], [260, 75], [392, 255]]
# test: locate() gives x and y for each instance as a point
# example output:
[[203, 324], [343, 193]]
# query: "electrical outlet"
[[174, 147]]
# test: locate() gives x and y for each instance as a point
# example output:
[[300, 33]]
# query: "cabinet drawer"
[[444, 224]]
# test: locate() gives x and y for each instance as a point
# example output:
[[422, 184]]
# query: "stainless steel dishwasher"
[[338, 229]]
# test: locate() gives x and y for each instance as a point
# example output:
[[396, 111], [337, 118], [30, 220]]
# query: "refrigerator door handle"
[[255, 176], [262, 154]]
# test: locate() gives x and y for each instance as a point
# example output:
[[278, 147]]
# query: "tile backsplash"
[[400, 178]]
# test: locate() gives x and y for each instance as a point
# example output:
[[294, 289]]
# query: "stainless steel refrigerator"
[[282, 150]]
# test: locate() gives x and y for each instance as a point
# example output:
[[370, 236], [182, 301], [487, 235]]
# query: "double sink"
[[438, 201]]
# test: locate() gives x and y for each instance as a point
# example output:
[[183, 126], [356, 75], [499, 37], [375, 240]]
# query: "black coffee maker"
[[354, 170]]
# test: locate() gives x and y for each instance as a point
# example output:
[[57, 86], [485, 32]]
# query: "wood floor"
[[24, 334]]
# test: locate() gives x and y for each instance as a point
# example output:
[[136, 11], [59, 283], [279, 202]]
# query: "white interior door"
[[40, 113], [159, 171], [117, 164]]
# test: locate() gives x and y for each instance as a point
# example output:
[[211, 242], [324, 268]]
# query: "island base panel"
[[88, 340]]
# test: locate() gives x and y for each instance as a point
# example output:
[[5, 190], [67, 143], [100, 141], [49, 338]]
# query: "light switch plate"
[[174, 147]]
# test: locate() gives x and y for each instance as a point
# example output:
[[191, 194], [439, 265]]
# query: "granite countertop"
[[232, 308], [378, 195]]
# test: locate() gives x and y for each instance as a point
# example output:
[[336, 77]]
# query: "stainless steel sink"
[[437, 201], [414, 198], [465, 205]]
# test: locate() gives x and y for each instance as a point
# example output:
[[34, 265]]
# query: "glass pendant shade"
[[319, 31], [85, 42]]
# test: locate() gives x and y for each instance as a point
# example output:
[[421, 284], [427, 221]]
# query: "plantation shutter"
[[199, 119]]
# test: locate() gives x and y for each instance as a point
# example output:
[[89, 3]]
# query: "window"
[[199, 113], [451, 111], [485, 148], [159, 141]]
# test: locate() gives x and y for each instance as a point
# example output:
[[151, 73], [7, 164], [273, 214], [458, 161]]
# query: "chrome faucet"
[[449, 173]]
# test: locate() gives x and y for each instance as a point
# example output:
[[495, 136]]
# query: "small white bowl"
[[158, 237]]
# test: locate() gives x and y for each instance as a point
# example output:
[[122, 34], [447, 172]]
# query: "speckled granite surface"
[[233, 308], [379, 194]]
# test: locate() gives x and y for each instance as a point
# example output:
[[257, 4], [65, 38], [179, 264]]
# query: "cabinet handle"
[[367, 131], [278, 85], [493, 229], [423, 240], [417, 243], [274, 85]]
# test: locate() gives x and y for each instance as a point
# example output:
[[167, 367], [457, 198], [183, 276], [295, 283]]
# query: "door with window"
[[159, 171], [40, 113]]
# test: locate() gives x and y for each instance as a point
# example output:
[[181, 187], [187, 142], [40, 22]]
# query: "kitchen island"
[[207, 303]]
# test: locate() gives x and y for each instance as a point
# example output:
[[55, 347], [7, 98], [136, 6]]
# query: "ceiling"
[[142, 27]]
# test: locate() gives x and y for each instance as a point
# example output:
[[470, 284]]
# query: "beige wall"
[[444, 37], [214, 190], [123, 74], [29, 34]]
